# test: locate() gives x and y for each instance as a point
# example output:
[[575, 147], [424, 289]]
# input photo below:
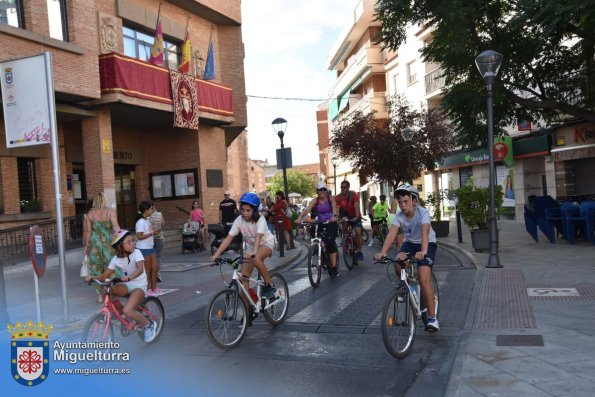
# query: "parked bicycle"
[[349, 243], [318, 257], [404, 307], [100, 327], [233, 309]]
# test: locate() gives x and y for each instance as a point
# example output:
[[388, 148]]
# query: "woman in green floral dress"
[[101, 223]]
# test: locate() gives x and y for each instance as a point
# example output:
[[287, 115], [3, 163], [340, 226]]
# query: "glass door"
[[125, 195]]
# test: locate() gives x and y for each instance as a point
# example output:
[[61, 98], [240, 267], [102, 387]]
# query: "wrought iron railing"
[[14, 242]]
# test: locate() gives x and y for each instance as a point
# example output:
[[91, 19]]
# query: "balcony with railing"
[[434, 82], [122, 76], [366, 60]]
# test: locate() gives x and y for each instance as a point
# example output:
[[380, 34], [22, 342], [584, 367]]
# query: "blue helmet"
[[250, 198]]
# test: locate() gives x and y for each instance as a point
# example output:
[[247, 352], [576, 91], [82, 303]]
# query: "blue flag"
[[209, 73]]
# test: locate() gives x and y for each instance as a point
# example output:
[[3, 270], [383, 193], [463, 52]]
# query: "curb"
[[476, 262]]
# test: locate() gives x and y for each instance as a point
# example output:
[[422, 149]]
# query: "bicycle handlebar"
[[233, 262], [105, 283], [410, 258], [317, 223]]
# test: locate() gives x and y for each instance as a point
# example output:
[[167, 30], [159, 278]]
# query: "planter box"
[[480, 239], [441, 228]]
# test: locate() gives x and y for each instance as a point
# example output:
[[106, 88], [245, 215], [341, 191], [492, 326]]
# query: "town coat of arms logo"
[[29, 352]]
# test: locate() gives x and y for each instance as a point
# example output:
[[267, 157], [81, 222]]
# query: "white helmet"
[[321, 185], [407, 189]]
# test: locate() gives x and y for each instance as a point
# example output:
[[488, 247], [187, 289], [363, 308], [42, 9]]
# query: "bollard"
[[281, 235], [459, 231]]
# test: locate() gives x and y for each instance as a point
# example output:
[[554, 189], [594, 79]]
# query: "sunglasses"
[[323, 190]]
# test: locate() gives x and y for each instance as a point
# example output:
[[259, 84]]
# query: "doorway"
[[125, 195]]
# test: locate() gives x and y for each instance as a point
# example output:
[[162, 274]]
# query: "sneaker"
[[150, 332], [333, 272], [432, 324], [371, 244], [268, 291], [360, 256], [157, 291], [150, 292]]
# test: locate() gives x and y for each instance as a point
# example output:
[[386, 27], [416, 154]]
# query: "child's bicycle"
[[99, 327], [404, 307], [318, 258], [233, 309]]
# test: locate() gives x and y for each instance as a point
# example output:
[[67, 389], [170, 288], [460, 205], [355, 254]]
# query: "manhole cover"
[[519, 340]]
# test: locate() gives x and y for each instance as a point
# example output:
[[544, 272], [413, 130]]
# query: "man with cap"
[[228, 209]]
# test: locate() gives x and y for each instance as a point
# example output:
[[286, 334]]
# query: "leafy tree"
[[377, 149], [548, 69], [297, 182]]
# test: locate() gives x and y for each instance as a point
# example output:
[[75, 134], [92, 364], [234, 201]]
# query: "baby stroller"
[[218, 233], [191, 237]]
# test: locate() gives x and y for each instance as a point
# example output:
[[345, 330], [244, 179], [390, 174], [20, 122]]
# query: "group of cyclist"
[[412, 219]]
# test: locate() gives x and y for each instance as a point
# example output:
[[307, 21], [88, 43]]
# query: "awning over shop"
[[135, 78]]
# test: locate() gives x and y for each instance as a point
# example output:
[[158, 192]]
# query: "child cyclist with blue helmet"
[[420, 240], [257, 236]]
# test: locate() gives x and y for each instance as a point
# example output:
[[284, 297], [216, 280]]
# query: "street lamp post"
[[488, 63], [335, 161], [279, 125], [407, 134]]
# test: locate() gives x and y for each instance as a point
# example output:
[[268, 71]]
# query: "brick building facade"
[[117, 139]]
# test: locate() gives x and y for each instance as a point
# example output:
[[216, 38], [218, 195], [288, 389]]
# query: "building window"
[[411, 74], [26, 175], [138, 44], [57, 19], [11, 13], [174, 184]]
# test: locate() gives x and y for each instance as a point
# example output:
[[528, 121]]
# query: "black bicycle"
[[318, 258]]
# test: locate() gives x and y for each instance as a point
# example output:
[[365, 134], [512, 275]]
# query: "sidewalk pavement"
[[530, 326], [81, 297]]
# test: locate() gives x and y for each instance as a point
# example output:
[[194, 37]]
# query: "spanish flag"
[[157, 48], [186, 54]]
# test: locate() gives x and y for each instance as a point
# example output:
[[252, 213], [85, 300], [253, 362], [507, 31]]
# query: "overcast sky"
[[287, 44]]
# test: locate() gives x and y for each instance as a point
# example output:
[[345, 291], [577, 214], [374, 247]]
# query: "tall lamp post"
[[335, 161], [488, 63], [279, 125], [407, 134]]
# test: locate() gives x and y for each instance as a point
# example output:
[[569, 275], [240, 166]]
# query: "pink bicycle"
[[99, 327]]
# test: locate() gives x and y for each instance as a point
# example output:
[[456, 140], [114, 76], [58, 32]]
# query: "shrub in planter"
[[434, 205], [473, 205], [30, 206]]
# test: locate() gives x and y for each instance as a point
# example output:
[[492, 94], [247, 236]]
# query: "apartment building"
[[115, 110]]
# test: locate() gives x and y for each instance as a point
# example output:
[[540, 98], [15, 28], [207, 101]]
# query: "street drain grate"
[[519, 340]]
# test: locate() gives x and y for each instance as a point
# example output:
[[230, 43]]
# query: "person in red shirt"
[[348, 203]]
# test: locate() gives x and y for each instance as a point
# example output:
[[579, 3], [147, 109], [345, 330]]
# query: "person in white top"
[[145, 242], [130, 262], [258, 238]]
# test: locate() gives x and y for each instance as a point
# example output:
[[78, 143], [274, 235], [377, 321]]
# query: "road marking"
[[553, 292]]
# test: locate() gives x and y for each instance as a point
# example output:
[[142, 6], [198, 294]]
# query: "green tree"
[[377, 149], [548, 69], [297, 182]]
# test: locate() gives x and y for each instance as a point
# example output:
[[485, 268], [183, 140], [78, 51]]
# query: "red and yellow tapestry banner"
[[185, 97]]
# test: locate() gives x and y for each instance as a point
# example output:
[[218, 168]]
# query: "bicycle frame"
[[237, 279]]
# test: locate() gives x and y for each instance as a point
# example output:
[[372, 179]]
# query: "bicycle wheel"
[[97, 329], [398, 325], [314, 268], [349, 255], [382, 232], [277, 313], [424, 314], [365, 236], [152, 309], [227, 318]]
